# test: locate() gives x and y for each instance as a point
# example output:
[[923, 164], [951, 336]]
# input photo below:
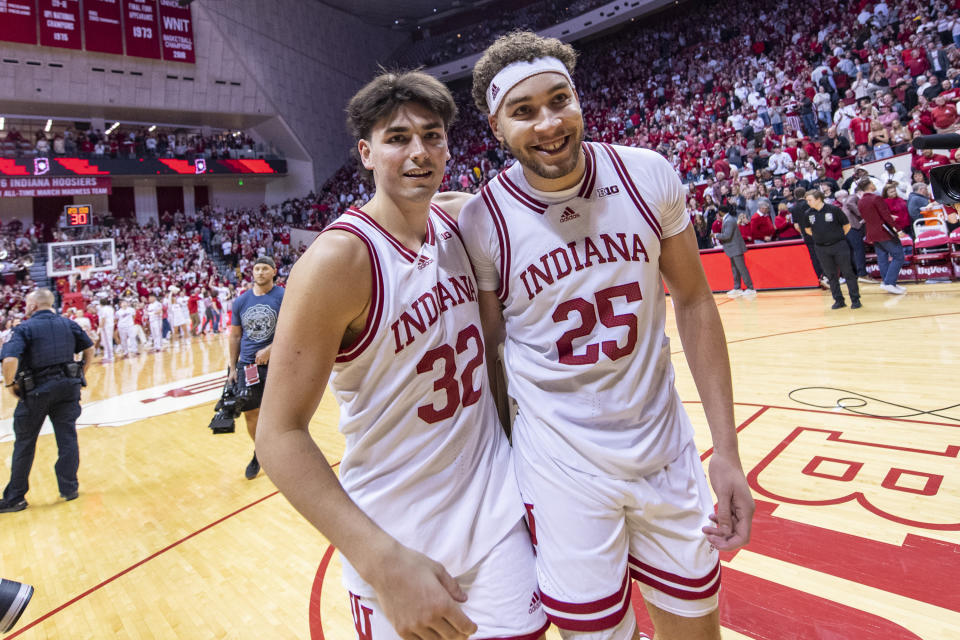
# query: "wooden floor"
[[857, 534]]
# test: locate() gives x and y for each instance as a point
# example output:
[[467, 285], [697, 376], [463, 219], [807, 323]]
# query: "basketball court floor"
[[847, 434]]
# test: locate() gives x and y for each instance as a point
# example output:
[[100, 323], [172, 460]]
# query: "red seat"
[[932, 247]]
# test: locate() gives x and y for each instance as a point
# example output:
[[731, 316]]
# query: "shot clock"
[[77, 215]]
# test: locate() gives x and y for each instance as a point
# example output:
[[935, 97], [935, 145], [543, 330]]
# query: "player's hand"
[[421, 600], [734, 516], [263, 356], [232, 375]]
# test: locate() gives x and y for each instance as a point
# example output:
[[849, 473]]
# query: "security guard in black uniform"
[[828, 226], [39, 368]]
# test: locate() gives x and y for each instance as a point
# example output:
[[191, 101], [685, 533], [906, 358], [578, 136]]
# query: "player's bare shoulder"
[[335, 272], [452, 202]]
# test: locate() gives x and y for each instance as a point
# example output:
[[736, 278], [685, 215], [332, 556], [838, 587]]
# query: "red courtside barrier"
[[773, 265]]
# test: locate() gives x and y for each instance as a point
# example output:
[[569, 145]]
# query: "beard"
[[562, 166]]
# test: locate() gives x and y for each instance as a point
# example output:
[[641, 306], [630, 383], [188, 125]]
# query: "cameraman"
[[39, 368], [251, 334]]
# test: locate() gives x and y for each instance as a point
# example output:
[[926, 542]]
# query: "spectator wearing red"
[[943, 114], [860, 128], [783, 224], [745, 229], [193, 309], [897, 207], [761, 226], [928, 160]]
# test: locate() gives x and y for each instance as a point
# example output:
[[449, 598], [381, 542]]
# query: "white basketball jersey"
[[586, 356], [425, 456]]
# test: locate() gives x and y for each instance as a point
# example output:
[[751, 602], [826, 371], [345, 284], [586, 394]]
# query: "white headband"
[[516, 72]]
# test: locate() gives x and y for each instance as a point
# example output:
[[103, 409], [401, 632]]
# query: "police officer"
[[827, 226], [39, 368], [252, 324]]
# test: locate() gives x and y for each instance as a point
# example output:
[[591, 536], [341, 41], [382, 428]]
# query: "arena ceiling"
[[384, 13]]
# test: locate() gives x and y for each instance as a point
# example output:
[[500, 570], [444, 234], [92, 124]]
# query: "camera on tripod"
[[944, 180], [229, 407]]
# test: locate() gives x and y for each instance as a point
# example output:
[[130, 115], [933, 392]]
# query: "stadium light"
[[3, 121], [47, 128], [152, 128], [115, 125]]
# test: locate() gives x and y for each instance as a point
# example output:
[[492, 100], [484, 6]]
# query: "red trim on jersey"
[[503, 238], [450, 222], [677, 592], [530, 636], [408, 255], [430, 237], [596, 624], [590, 172], [363, 340], [523, 198], [594, 606], [632, 190], [672, 577]]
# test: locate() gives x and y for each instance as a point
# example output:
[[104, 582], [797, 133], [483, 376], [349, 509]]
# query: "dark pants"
[[889, 259], [60, 399], [855, 240], [836, 257], [739, 268], [814, 260]]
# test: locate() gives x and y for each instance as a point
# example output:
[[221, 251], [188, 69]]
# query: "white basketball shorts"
[[592, 534], [502, 596]]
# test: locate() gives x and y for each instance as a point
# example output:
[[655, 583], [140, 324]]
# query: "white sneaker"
[[866, 280], [843, 281], [734, 293], [750, 292], [898, 289]]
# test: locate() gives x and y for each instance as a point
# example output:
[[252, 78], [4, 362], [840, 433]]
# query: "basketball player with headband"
[[571, 246], [382, 306]]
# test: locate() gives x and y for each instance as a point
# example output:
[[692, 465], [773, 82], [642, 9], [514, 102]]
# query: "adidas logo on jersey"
[[422, 262], [603, 192], [534, 602], [568, 215]]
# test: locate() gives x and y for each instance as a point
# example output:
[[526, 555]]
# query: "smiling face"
[[407, 152], [541, 124]]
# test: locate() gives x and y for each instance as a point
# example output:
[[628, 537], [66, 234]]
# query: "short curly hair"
[[387, 92], [513, 47]]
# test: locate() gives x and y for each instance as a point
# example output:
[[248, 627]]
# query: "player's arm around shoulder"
[[451, 201]]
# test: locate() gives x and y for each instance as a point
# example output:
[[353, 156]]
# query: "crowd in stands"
[[127, 142], [197, 261], [749, 102]]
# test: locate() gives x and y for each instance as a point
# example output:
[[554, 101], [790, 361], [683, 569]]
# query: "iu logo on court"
[[361, 618]]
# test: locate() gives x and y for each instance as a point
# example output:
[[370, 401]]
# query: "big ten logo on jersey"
[[361, 618], [857, 527], [603, 192], [426, 309], [577, 256]]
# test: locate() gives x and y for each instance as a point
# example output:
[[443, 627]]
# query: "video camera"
[[228, 408], [945, 180]]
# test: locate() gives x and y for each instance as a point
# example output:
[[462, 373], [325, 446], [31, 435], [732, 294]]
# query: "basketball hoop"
[[85, 271]]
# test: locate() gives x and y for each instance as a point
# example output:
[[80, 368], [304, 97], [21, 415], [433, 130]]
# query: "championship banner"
[[60, 23], [18, 21], [54, 186], [140, 28], [176, 32], [102, 29]]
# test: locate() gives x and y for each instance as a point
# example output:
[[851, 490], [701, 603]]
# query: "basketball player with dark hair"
[[569, 245], [382, 306]]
